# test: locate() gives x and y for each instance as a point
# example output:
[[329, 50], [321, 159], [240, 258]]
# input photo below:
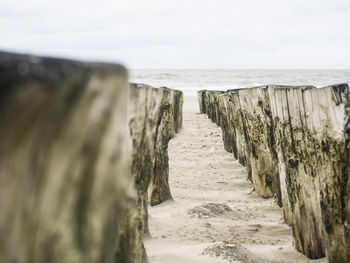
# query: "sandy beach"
[[175, 132], [216, 216]]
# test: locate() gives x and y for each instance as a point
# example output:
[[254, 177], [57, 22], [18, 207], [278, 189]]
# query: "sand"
[[202, 172]]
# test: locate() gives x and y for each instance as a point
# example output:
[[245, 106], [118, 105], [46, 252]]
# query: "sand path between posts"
[[202, 172]]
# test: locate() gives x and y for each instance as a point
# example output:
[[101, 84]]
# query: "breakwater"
[[155, 117], [294, 143], [78, 150]]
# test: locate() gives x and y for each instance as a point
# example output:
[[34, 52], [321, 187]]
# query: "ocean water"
[[190, 81]]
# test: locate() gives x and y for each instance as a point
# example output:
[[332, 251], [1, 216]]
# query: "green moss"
[[309, 158]]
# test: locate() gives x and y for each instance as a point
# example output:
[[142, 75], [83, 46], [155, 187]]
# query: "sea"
[[192, 80]]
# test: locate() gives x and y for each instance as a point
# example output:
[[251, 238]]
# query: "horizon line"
[[134, 68]]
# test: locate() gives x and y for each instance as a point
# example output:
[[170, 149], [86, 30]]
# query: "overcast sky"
[[182, 33]]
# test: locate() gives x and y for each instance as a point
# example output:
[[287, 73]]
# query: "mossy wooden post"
[[223, 121], [301, 178], [145, 104], [65, 183], [177, 108], [327, 121], [214, 110], [237, 125], [169, 122], [201, 100], [255, 107], [279, 108], [155, 115], [210, 105], [159, 190]]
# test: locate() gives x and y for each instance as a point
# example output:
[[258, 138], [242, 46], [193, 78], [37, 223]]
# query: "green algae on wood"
[[155, 116], [303, 133], [78, 151], [330, 132], [302, 210], [169, 122], [65, 179]]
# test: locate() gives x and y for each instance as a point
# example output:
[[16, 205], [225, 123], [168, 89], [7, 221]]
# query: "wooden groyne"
[[78, 150], [294, 142]]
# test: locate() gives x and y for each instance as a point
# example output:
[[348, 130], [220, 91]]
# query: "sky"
[[215, 34]]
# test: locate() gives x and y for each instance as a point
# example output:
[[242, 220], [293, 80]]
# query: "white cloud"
[[183, 34]]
